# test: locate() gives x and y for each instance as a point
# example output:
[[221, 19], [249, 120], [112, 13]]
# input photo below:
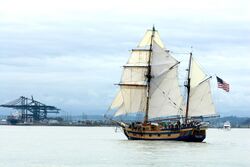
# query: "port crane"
[[30, 109]]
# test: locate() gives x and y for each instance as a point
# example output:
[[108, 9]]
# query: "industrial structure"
[[30, 110]]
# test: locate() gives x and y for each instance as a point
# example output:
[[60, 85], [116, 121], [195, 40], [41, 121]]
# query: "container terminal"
[[32, 112]]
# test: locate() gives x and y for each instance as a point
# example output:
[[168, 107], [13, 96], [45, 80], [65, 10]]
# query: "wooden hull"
[[184, 134]]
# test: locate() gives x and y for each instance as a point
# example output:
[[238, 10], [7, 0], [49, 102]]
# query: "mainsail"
[[201, 103], [200, 97]]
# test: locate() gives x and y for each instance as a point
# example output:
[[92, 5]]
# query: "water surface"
[[34, 146]]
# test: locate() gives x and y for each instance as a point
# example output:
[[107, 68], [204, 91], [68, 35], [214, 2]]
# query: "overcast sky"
[[69, 53]]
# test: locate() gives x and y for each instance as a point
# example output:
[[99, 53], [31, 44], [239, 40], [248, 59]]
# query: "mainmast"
[[188, 87], [149, 74]]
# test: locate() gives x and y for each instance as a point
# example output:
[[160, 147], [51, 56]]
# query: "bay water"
[[52, 146]]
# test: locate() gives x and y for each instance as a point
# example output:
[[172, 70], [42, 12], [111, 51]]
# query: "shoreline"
[[75, 125]]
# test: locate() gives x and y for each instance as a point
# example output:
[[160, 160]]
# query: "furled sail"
[[165, 95]]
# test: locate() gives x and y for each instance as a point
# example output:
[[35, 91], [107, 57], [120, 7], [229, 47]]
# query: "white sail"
[[120, 111], [201, 103], [165, 95], [134, 75], [161, 61], [117, 102], [134, 99], [129, 100], [146, 40], [138, 58], [196, 74], [133, 84]]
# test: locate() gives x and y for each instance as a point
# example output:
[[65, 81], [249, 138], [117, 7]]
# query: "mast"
[[188, 87], [149, 75]]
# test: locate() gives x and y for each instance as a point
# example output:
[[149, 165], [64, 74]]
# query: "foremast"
[[149, 75], [188, 87]]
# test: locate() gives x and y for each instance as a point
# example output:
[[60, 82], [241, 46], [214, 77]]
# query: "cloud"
[[70, 54]]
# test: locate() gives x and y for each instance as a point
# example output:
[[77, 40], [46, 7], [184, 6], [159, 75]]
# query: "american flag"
[[222, 84]]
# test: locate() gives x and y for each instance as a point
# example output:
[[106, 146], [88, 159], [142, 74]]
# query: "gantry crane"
[[31, 109]]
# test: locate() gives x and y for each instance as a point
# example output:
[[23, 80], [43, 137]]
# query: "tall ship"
[[150, 87]]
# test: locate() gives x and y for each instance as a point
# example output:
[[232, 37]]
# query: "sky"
[[69, 53]]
